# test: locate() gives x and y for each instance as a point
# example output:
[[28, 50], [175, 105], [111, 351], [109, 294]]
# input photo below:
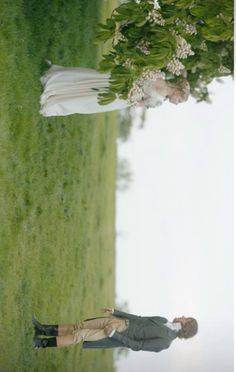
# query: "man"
[[120, 329]]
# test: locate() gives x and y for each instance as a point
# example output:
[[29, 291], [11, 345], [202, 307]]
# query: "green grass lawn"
[[57, 188]]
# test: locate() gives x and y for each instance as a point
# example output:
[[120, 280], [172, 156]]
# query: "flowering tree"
[[191, 39]]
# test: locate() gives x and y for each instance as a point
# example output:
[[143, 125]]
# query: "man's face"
[[182, 320]]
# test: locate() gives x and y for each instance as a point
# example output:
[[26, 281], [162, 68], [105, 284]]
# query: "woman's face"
[[175, 96]]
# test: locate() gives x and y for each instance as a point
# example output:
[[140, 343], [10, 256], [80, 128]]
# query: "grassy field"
[[57, 188]]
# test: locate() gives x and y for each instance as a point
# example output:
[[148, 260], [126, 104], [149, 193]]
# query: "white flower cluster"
[[175, 66], [143, 46], [183, 49], [154, 2], [190, 29], [224, 70], [203, 46], [128, 63], [150, 75], [178, 22], [136, 93], [155, 17], [118, 37]]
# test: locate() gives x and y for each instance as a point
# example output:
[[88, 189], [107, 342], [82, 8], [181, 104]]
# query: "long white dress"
[[71, 90]]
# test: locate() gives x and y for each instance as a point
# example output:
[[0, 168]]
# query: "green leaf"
[[104, 35], [106, 98]]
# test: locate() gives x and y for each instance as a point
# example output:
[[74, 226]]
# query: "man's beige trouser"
[[93, 330]]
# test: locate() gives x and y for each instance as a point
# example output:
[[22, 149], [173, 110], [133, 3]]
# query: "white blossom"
[[136, 93], [175, 66], [143, 46], [150, 75], [190, 29], [178, 22], [224, 70], [155, 17], [118, 37], [151, 2], [155, 4], [183, 49], [203, 46], [128, 63]]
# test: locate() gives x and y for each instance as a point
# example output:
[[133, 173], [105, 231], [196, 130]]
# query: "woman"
[[70, 90], [120, 329]]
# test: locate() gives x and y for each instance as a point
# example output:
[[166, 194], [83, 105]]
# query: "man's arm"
[[122, 314]]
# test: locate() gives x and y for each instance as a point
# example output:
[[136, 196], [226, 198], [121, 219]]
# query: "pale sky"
[[174, 230]]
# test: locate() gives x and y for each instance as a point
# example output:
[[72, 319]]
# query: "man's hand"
[[107, 310], [108, 330]]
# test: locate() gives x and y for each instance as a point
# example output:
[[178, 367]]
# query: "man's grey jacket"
[[144, 333]]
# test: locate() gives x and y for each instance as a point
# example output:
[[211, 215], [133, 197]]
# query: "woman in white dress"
[[70, 90]]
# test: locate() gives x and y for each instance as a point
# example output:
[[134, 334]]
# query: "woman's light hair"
[[189, 329], [184, 89]]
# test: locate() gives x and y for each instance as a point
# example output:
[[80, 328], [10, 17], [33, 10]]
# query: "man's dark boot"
[[44, 342], [44, 329]]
